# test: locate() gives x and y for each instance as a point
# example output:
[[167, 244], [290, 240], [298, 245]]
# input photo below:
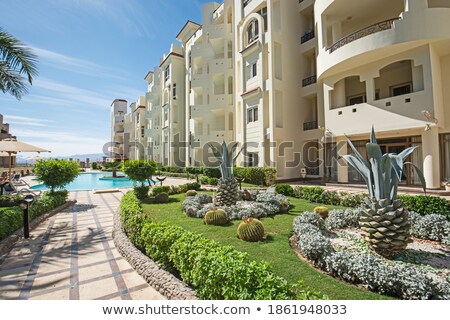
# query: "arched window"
[[252, 31]]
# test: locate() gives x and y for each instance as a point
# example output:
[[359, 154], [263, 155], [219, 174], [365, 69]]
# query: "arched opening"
[[347, 92], [397, 79], [252, 31]]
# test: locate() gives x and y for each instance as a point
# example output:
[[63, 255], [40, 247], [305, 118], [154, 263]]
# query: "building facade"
[[118, 114], [289, 79]]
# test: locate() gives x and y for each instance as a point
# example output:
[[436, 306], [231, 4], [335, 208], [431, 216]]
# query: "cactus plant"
[[227, 191], [251, 230], [191, 193], [384, 221], [216, 217], [322, 211], [162, 198]]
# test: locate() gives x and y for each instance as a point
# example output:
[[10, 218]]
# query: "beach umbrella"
[[12, 146]]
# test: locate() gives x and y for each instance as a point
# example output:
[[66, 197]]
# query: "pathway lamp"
[[25, 205]]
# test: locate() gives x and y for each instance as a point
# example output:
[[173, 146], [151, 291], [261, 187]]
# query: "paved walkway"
[[72, 256]]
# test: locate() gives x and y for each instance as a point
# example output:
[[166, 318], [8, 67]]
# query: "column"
[[342, 167], [430, 151]]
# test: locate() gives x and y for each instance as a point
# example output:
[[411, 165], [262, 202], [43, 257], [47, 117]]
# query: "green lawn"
[[275, 249]]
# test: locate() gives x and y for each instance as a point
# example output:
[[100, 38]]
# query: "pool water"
[[90, 181]]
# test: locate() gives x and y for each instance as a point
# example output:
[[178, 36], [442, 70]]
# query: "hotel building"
[[289, 79]]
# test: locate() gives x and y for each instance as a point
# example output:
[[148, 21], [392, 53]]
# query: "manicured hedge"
[[257, 175], [423, 204], [11, 219], [9, 201], [215, 271]]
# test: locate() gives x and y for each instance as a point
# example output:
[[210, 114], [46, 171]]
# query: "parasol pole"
[[10, 164]]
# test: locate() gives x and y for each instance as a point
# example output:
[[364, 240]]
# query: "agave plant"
[[227, 191], [384, 221]]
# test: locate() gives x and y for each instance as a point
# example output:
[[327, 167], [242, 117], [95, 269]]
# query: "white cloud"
[[27, 121], [72, 64]]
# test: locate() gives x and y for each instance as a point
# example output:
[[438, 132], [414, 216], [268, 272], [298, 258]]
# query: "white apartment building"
[[118, 113], [289, 79], [209, 79], [5, 134]]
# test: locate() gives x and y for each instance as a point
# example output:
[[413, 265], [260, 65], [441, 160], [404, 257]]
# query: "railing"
[[309, 81], [311, 125], [245, 3], [377, 27], [312, 171], [308, 36]]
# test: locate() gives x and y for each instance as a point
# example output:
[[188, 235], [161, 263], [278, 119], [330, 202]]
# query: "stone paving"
[[72, 256]]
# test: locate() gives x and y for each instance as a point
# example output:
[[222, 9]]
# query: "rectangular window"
[[254, 70], [167, 73], [357, 99], [401, 89], [174, 91], [252, 158], [142, 131], [252, 114]]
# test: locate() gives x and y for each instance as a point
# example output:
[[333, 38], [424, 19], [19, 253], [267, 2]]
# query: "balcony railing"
[[311, 125], [309, 81], [245, 3], [308, 36], [377, 27]]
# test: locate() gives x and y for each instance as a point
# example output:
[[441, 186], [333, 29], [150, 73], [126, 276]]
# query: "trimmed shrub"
[[56, 173], [133, 218], [193, 186], [434, 227], [426, 204], [10, 201], [213, 181], [203, 180], [162, 198], [339, 219], [141, 192], [191, 193], [252, 175], [284, 189], [139, 170], [11, 219], [160, 189], [212, 172]]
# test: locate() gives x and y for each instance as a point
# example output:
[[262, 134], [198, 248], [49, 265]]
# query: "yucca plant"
[[227, 188], [384, 221]]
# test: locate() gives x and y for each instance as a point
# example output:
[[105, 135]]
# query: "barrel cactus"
[[251, 230], [216, 217], [322, 211], [384, 220], [191, 193], [227, 188]]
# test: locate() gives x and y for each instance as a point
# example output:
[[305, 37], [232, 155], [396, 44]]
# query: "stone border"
[[9, 242], [164, 282]]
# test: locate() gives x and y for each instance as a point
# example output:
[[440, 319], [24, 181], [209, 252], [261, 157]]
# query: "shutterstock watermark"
[[311, 154]]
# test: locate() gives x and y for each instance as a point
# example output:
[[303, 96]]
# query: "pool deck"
[[72, 256]]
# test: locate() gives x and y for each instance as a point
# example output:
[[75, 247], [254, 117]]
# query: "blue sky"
[[90, 52]]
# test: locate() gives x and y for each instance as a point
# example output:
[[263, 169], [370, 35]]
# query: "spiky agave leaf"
[[363, 169], [420, 175], [374, 154]]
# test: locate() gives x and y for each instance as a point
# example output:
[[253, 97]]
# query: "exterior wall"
[[210, 81], [403, 54], [153, 132], [118, 112], [284, 105], [4, 134]]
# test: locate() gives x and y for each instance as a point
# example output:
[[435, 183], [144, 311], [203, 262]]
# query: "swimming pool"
[[91, 181]]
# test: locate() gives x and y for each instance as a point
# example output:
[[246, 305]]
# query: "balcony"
[[374, 28], [308, 36], [246, 3], [220, 65], [200, 80], [310, 125], [309, 81], [219, 12]]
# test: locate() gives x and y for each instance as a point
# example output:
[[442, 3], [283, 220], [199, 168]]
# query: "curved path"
[[72, 256]]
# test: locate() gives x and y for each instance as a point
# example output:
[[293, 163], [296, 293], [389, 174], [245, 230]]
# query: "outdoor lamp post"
[[24, 205]]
